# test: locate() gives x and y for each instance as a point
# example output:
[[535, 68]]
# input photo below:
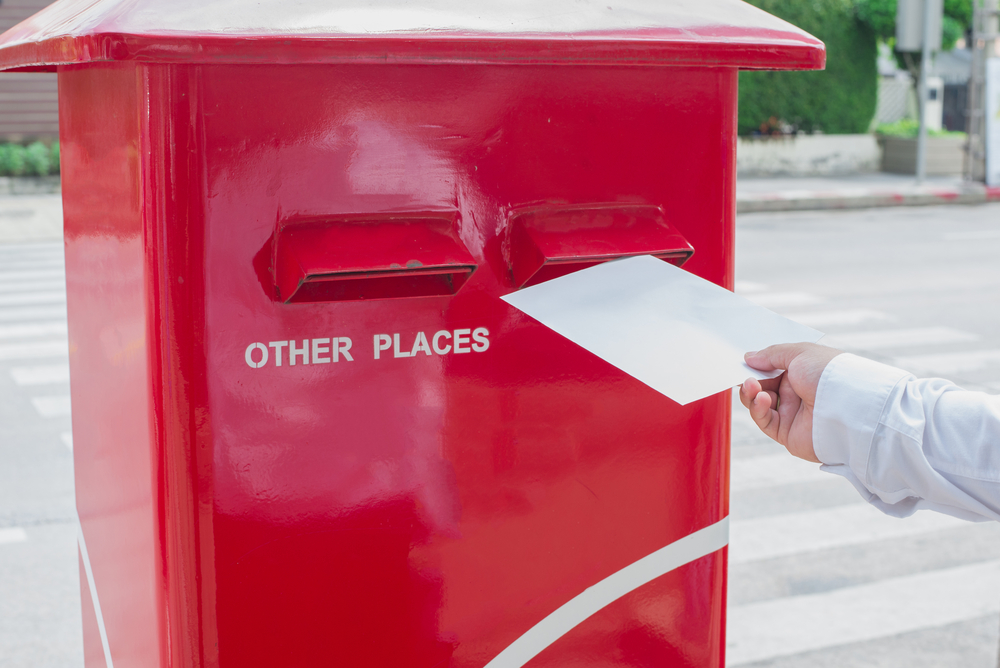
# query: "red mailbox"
[[308, 432]]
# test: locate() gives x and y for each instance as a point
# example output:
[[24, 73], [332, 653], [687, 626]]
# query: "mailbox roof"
[[711, 33]]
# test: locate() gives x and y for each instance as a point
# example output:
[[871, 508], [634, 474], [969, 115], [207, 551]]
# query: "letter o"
[[249, 355]]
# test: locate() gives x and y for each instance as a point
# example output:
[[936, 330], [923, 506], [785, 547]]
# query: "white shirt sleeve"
[[908, 444]]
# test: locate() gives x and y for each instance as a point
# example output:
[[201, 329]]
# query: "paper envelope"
[[679, 334]]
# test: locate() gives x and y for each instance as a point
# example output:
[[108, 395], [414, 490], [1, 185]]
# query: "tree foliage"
[[880, 16], [35, 159], [838, 100]]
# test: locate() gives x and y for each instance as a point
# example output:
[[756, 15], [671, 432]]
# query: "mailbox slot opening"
[[388, 256], [549, 242], [381, 285]]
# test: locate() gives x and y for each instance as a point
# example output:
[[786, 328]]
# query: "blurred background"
[[833, 230]]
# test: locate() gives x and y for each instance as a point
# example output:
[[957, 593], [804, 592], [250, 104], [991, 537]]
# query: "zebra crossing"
[[838, 573], [33, 335], [33, 324], [814, 571]]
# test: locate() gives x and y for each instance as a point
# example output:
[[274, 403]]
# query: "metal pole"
[[984, 35], [925, 64]]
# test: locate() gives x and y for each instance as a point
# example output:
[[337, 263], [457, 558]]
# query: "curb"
[[29, 185], [864, 198]]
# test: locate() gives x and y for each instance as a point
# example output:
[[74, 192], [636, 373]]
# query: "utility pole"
[[925, 65], [918, 28], [983, 46]]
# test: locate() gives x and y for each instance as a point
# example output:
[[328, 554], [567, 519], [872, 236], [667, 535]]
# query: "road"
[[39, 580], [817, 579]]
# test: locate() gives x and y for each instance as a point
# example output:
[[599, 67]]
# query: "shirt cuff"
[[850, 400]]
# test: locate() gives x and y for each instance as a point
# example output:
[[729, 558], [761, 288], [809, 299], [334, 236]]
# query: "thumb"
[[775, 357]]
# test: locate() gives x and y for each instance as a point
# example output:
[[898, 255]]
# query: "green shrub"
[[38, 159], [838, 100], [13, 159], [908, 128]]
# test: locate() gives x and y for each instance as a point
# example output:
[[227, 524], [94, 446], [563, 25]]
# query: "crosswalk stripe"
[[793, 625], [783, 299], [29, 257], [33, 286], [52, 297], [820, 319], [41, 375], [899, 338], [33, 245], [29, 329], [827, 528], [25, 255], [948, 364], [23, 351], [13, 535], [19, 248], [744, 287], [18, 276], [747, 473], [30, 313], [21, 264], [972, 236], [50, 407]]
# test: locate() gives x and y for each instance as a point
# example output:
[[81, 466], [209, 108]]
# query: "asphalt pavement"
[[40, 620], [817, 577]]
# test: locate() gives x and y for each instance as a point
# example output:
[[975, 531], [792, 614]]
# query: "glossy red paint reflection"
[[552, 241], [308, 430]]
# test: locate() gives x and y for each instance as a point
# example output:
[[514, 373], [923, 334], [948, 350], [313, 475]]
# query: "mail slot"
[[383, 257], [553, 241], [307, 429]]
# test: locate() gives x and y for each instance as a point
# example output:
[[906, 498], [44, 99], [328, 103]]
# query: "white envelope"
[[679, 334]]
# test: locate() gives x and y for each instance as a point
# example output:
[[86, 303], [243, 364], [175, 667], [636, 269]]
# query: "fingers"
[[775, 357], [765, 417], [748, 390], [788, 406], [751, 387]]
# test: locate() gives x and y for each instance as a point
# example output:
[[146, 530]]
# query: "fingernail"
[[750, 354]]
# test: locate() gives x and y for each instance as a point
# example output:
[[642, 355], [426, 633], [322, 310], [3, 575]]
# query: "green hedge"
[[838, 100], [908, 129], [35, 159]]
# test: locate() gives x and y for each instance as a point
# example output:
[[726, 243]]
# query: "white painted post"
[[992, 124], [925, 66]]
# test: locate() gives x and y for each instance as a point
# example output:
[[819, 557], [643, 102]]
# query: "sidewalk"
[[38, 216], [26, 218], [855, 192]]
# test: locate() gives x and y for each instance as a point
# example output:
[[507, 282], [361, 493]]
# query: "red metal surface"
[[548, 242], [412, 510], [118, 462], [422, 479], [390, 256], [720, 33]]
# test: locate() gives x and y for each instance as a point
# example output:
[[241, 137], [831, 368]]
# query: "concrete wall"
[[807, 155], [945, 155]]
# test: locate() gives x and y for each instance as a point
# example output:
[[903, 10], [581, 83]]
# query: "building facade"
[[29, 107]]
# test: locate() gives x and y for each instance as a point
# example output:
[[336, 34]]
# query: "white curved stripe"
[[610, 589], [93, 595]]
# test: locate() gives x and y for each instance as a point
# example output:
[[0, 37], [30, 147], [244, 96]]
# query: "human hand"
[[783, 407]]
